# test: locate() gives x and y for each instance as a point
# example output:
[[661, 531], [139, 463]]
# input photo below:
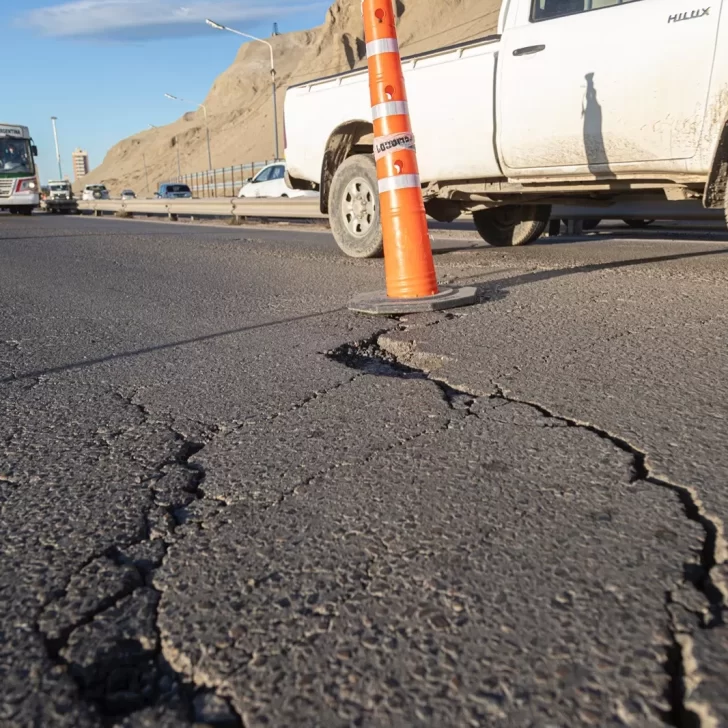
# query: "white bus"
[[19, 188]]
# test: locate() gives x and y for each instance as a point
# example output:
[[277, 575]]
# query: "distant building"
[[80, 164]]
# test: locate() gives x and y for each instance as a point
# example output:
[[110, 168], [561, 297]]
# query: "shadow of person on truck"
[[591, 112]]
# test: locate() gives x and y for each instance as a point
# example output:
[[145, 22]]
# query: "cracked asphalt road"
[[227, 501]]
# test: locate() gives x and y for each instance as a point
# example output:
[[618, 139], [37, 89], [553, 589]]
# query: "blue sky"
[[102, 66]]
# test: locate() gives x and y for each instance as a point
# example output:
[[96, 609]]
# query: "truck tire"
[[354, 208], [512, 225], [26, 210]]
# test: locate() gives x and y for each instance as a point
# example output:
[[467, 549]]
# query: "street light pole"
[[207, 127], [58, 151], [219, 26]]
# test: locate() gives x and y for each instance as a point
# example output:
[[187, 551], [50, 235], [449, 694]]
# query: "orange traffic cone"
[[408, 263]]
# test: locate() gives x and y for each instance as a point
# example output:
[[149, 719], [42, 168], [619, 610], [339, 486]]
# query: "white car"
[[128, 195], [271, 182], [95, 192]]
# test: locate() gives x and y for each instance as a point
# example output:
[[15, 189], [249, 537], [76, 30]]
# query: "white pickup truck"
[[572, 102]]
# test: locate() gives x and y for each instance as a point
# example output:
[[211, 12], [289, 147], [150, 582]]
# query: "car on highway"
[[128, 195], [19, 186], [271, 182], [60, 199], [94, 192], [171, 191]]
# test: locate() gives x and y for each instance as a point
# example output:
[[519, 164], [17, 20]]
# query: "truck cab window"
[[548, 9]]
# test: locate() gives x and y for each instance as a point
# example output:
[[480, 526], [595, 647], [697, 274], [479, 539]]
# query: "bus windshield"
[[15, 156]]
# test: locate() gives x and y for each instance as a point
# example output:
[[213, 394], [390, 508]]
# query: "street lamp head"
[[215, 25], [169, 96]]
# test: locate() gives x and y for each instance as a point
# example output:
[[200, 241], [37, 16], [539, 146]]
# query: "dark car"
[[172, 191]]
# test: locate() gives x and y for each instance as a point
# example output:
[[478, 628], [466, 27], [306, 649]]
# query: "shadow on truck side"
[[591, 113]]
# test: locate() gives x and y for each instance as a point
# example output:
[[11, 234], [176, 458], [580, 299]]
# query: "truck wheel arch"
[[715, 189], [352, 137]]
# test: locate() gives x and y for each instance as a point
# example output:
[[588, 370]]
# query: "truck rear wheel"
[[512, 225], [354, 208]]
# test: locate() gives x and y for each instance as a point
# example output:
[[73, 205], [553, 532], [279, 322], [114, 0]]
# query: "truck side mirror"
[[34, 150]]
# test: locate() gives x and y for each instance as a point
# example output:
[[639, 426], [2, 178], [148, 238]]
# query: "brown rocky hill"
[[239, 103]]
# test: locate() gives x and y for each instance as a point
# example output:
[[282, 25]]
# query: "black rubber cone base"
[[380, 304]]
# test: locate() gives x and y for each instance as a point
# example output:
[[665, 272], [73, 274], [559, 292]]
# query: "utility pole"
[[219, 26], [275, 112], [58, 152]]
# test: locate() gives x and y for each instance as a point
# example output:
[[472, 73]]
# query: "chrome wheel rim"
[[359, 207]]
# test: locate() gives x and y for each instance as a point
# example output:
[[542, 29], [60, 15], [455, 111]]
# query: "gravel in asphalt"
[[225, 500]]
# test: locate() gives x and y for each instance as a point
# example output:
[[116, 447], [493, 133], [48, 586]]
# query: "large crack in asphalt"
[[371, 356], [125, 674], [134, 675]]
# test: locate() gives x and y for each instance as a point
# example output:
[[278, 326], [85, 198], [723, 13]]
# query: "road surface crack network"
[[133, 675], [371, 356]]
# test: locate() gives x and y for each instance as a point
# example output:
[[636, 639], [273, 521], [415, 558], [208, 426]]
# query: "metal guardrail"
[[308, 209], [284, 208]]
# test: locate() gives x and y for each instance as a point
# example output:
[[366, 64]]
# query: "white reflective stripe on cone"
[[390, 108], [385, 45], [399, 182]]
